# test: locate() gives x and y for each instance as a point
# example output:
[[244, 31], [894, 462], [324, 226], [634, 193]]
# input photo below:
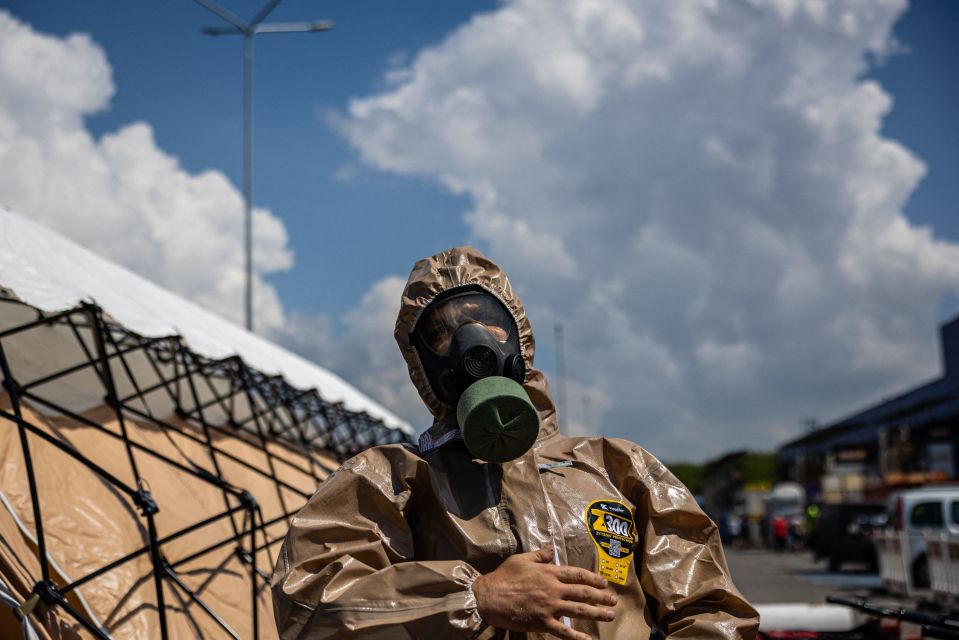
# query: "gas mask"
[[468, 344]]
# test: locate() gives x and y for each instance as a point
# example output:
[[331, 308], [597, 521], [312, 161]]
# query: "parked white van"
[[915, 512]]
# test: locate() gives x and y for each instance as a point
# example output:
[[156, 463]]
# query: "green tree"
[[689, 474]]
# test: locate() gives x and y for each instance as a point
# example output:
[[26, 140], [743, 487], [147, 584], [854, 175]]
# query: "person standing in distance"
[[496, 525]]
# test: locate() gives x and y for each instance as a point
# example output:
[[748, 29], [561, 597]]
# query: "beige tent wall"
[[161, 403], [88, 523], [198, 434], [18, 570]]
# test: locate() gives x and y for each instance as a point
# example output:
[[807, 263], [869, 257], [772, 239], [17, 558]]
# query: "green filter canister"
[[498, 421]]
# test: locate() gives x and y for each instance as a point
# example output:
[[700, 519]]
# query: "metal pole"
[[560, 376], [248, 31], [588, 414], [248, 171]]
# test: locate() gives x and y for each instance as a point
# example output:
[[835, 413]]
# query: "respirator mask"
[[468, 344]]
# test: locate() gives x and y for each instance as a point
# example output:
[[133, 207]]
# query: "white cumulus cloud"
[[359, 346], [121, 195], [700, 191]]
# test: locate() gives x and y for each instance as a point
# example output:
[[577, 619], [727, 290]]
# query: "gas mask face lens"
[[440, 321]]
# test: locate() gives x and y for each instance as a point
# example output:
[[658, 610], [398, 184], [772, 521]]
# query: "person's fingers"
[[589, 595], [543, 555], [582, 611], [576, 575], [560, 630]]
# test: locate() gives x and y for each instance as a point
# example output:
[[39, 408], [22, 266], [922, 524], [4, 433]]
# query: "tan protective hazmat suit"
[[388, 545]]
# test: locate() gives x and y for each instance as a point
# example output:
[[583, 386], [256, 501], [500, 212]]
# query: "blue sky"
[[412, 127], [188, 86], [926, 112]]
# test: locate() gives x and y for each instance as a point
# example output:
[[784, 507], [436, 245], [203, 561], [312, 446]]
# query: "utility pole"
[[588, 414], [249, 30], [560, 376]]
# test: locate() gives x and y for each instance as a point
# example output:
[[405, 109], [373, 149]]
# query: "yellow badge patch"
[[613, 530]]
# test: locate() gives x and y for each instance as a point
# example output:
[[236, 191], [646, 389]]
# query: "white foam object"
[[800, 616]]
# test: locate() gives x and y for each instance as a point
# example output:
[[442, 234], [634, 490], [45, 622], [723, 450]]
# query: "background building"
[[907, 440]]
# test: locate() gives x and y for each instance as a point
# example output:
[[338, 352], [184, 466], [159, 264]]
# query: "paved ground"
[[766, 577]]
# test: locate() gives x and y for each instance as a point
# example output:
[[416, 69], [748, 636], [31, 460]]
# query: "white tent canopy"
[[49, 272]]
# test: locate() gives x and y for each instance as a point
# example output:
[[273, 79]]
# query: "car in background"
[[843, 534], [932, 509]]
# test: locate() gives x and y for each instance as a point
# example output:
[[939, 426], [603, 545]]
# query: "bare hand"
[[529, 593]]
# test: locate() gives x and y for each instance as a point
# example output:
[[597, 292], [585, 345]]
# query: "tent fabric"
[[46, 270], [88, 524], [119, 396], [27, 631]]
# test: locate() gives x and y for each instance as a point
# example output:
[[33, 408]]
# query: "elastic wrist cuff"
[[471, 597]]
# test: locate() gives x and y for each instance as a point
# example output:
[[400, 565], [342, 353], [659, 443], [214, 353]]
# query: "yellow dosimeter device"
[[613, 530]]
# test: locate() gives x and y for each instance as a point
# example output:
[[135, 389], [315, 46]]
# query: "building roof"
[[930, 402]]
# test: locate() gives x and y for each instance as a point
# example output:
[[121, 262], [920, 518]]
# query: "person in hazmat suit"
[[496, 525]]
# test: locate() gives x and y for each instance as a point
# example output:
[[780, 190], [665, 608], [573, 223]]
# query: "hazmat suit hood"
[[456, 268]]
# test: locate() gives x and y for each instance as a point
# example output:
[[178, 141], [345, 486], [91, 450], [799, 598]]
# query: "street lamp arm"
[[221, 31], [213, 7], [293, 27], [264, 12]]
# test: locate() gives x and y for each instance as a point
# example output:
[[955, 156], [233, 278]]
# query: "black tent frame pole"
[[299, 420], [221, 543], [158, 573], [136, 445], [11, 386], [73, 453], [259, 429], [192, 595], [111, 398], [220, 452], [62, 602], [62, 373], [146, 503], [139, 552], [253, 574], [43, 320], [211, 450]]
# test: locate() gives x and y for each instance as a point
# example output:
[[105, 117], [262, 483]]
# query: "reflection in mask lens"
[[441, 321]]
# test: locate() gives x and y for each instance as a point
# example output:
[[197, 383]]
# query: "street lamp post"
[[248, 31]]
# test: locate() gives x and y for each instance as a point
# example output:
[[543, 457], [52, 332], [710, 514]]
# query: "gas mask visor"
[[469, 347], [442, 318]]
